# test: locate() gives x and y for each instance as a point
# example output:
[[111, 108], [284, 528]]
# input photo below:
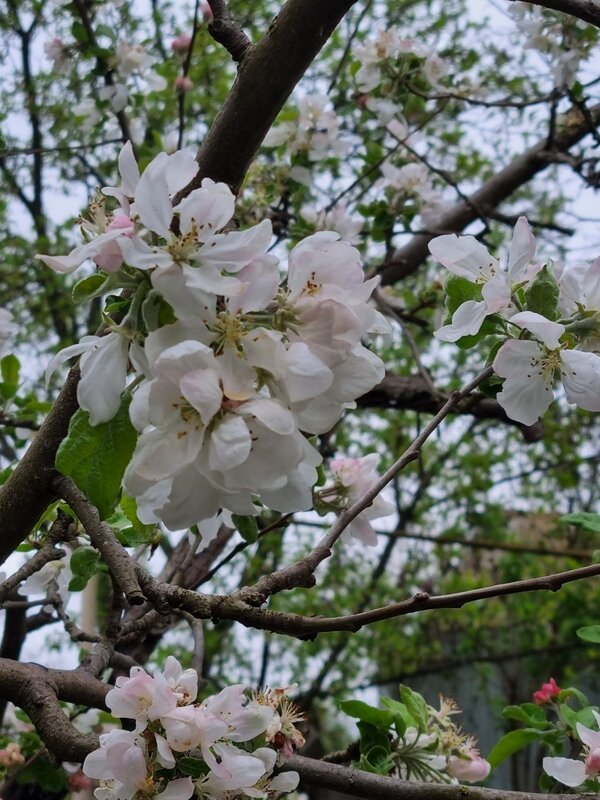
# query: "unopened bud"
[[181, 44], [183, 83]]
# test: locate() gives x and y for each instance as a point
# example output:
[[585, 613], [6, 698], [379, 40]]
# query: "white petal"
[[272, 414], [180, 169], [466, 320], [164, 755], [566, 770], [179, 789], [581, 379], [236, 249], [464, 256], [285, 782], [230, 444], [128, 169], [496, 293], [152, 202], [306, 375], [138, 254], [201, 388], [211, 207], [103, 378], [86, 343], [547, 331], [522, 250], [526, 394]]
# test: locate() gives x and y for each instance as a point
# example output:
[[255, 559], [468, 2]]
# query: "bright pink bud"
[[181, 44], [471, 770], [183, 83], [547, 692]]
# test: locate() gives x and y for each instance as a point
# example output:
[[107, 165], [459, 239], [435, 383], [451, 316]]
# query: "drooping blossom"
[[571, 772]]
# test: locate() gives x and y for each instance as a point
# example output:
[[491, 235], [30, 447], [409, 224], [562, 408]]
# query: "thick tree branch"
[[411, 392], [587, 10], [363, 784], [268, 74], [571, 128]]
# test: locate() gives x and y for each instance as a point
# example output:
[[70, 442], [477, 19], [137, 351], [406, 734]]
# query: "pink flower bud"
[[472, 769], [181, 44], [546, 693], [183, 83], [78, 782]]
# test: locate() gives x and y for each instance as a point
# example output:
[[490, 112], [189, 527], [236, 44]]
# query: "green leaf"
[[589, 633], [138, 532], [583, 519], [377, 717], [528, 713], [45, 774], [96, 456], [372, 736], [416, 706], [194, 767], [459, 290], [247, 527], [511, 743], [9, 367], [542, 294], [84, 564], [90, 287], [79, 32]]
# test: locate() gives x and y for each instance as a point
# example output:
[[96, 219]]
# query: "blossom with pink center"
[[571, 772], [141, 697], [354, 477]]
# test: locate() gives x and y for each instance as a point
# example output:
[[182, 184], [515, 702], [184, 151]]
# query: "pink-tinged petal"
[[96, 766], [210, 207], [201, 388], [234, 250], [179, 789], [260, 281], [70, 262], [581, 378], [128, 169], [464, 256], [230, 444], [522, 250], [588, 736], [466, 321], [566, 770], [527, 392], [544, 329], [275, 416], [152, 203], [164, 755]]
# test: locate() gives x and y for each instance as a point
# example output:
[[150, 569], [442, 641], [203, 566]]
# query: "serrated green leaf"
[[90, 287], [511, 743], [415, 705], [541, 295], [96, 456], [583, 519], [459, 290], [247, 527]]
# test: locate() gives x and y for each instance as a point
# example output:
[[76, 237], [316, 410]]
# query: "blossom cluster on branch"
[[231, 370], [545, 319], [226, 746]]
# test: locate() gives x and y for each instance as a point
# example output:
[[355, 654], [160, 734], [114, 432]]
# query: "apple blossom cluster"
[[222, 748], [559, 41], [230, 371], [440, 753], [546, 320], [314, 132]]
